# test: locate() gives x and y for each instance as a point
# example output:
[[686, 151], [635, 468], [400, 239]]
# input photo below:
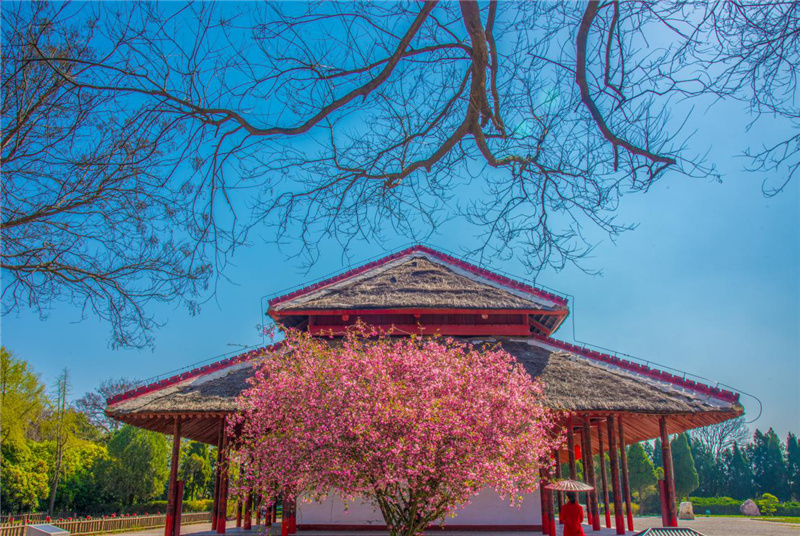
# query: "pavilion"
[[613, 402]]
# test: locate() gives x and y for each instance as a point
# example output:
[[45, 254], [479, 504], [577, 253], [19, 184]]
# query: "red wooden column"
[[573, 472], [543, 502], [559, 496], [217, 480], [222, 510], [284, 518], [612, 454], [293, 518], [178, 509], [669, 474], [552, 513], [585, 477], [257, 507], [248, 512], [603, 477], [172, 490], [626, 486], [589, 470], [238, 512]]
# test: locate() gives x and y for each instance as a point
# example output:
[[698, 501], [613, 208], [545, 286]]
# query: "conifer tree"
[[641, 472], [686, 479], [739, 475], [710, 470], [793, 464], [658, 459], [770, 473]]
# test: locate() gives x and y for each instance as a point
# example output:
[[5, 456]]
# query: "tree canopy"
[[142, 143], [641, 471], [686, 479], [22, 398], [740, 474], [793, 463], [769, 465], [414, 426], [137, 468]]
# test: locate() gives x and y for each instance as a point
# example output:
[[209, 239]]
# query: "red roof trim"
[[503, 280], [716, 392], [189, 374]]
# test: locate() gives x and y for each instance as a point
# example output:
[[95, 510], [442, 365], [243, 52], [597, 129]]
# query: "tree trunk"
[[52, 501]]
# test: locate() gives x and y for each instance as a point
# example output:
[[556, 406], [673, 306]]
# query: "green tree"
[[24, 479], [793, 464], [137, 466], [769, 466], [641, 471], [686, 479], [768, 504], [22, 399], [710, 470], [79, 489], [739, 474], [648, 449], [196, 470], [62, 430], [658, 459]]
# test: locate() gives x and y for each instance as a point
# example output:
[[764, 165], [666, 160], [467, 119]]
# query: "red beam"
[[541, 327]]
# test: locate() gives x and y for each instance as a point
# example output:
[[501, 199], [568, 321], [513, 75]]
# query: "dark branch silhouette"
[[142, 142]]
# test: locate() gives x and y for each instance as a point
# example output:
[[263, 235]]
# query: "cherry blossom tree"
[[414, 426]]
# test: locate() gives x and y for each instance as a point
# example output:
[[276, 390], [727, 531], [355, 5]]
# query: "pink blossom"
[[417, 426]]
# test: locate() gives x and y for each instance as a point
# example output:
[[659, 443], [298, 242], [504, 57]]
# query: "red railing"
[[102, 525]]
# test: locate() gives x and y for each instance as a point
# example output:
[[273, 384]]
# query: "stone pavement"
[[726, 526], [709, 526]]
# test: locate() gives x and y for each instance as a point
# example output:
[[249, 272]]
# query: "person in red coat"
[[572, 514]]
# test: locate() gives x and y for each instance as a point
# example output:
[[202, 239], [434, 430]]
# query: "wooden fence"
[[30, 518], [106, 524]]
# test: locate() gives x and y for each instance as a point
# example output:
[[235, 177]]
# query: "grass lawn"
[[779, 519]]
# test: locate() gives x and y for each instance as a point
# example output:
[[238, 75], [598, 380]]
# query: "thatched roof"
[[575, 382], [418, 278]]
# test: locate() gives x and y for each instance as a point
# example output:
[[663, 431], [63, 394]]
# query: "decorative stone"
[[749, 508], [685, 511]]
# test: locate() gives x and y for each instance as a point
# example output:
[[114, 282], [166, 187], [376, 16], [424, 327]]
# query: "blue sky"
[[708, 283]]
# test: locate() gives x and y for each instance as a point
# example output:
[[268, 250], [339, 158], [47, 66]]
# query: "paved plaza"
[[709, 526]]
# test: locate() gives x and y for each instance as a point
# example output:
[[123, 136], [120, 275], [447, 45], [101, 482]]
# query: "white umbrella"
[[569, 485]]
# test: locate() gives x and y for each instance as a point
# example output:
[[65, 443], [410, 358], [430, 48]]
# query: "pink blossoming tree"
[[415, 426]]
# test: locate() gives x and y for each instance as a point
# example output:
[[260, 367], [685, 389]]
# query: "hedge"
[[789, 509], [730, 506], [715, 505], [152, 507]]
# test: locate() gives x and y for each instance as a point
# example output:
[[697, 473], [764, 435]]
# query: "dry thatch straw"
[[571, 382], [416, 282]]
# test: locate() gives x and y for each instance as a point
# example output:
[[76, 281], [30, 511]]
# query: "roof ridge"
[[483, 272], [645, 370], [193, 373]]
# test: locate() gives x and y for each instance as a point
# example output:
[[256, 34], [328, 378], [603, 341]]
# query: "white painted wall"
[[485, 509]]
